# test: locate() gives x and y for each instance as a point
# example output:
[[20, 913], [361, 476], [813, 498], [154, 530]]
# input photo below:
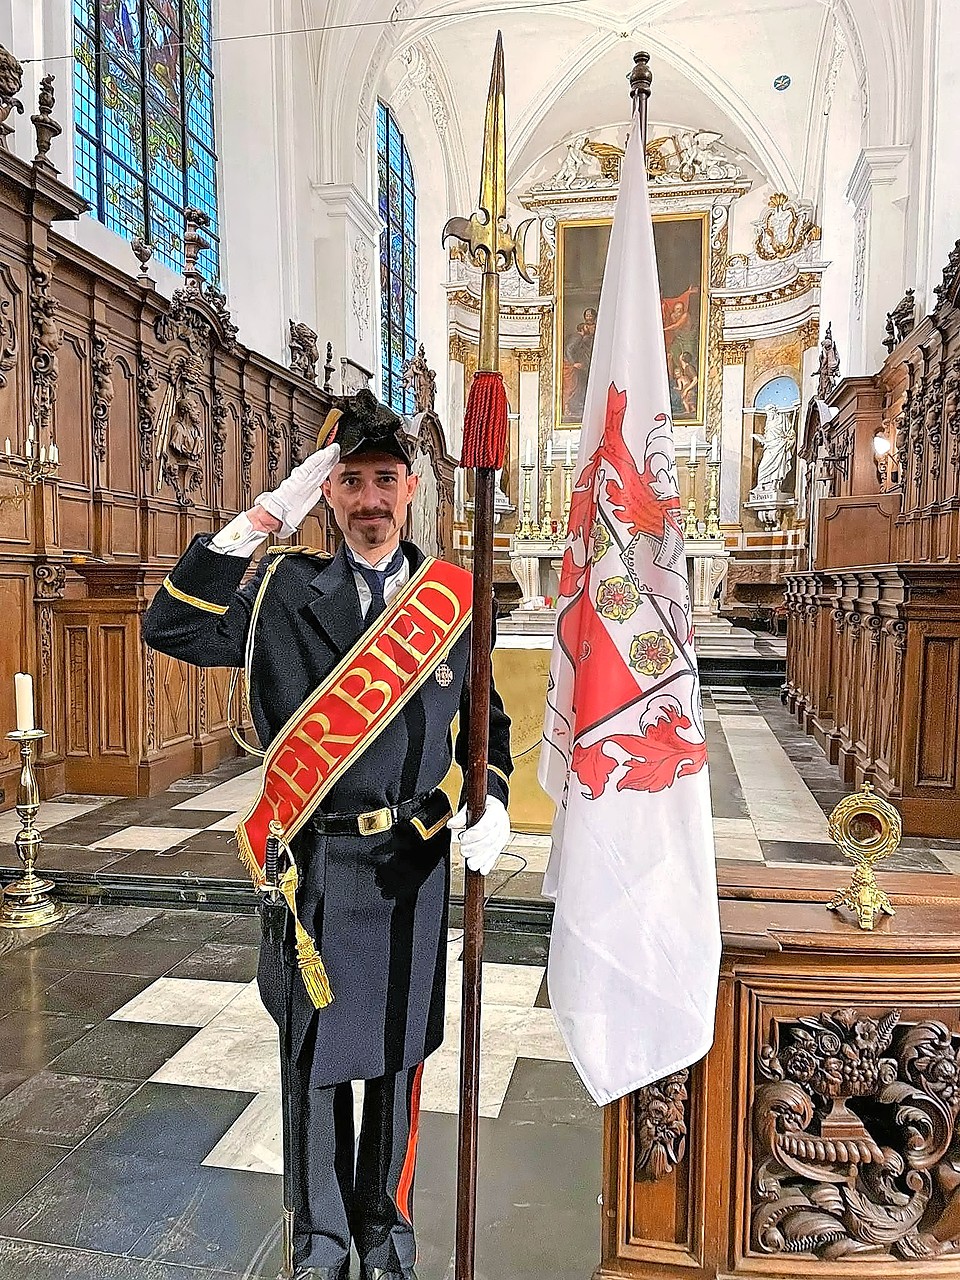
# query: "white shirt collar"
[[379, 566]]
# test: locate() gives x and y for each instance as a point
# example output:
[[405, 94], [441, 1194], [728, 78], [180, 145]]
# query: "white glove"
[[483, 843], [294, 498]]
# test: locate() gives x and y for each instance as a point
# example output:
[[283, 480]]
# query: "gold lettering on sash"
[[440, 589], [315, 733], [368, 685]]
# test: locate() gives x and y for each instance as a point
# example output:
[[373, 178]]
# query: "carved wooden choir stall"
[[819, 1137], [873, 664], [163, 425]]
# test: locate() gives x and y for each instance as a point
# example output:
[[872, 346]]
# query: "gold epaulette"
[[303, 550]]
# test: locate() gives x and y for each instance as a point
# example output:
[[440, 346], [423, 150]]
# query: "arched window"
[[143, 114], [398, 260]]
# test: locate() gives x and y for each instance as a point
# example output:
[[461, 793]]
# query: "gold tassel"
[[308, 957]]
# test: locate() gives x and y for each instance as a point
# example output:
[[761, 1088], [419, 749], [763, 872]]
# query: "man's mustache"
[[372, 515]]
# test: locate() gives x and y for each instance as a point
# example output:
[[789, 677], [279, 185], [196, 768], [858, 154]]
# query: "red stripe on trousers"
[[410, 1159]]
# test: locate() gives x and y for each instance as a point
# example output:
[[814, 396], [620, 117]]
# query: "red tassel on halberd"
[[485, 422]]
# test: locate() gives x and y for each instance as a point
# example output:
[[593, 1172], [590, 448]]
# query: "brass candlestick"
[[568, 470], [27, 903], [38, 463], [691, 526], [865, 828], [713, 501], [546, 525], [526, 529]]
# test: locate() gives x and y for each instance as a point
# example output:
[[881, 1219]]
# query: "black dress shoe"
[[378, 1273], [340, 1272]]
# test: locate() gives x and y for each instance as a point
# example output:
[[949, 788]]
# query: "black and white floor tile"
[[140, 1110]]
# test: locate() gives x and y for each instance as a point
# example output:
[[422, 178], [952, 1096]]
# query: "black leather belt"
[[377, 821]]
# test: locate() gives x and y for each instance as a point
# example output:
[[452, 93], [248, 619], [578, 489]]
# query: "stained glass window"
[[398, 260], [143, 113]]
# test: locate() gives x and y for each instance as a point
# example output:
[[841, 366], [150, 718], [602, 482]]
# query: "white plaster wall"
[[944, 227], [250, 135], [837, 215]]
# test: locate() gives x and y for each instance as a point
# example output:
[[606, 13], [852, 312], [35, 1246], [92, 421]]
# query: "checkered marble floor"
[[772, 790], [140, 1119]]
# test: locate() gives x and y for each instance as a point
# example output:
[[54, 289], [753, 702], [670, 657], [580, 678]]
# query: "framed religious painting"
[[683, 259]]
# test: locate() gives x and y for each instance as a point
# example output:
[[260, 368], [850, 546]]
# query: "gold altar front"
[[521, 679]]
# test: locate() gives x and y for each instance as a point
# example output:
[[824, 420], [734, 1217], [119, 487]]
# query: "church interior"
[[219, 216]]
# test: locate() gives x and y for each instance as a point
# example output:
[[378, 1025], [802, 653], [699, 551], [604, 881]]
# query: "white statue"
[[779, 441], [573, 162]]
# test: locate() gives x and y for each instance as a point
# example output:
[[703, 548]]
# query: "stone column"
[[731, 430], [878, 189]]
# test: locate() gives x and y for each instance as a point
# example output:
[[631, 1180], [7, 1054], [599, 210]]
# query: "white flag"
[[635, 947]]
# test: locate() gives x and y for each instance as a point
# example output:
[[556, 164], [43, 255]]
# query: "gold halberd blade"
[[486, 233]]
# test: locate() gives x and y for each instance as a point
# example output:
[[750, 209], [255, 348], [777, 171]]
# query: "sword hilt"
[[271, 860]]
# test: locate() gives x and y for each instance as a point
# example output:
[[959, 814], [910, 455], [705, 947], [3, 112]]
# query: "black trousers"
[[343, 1189]]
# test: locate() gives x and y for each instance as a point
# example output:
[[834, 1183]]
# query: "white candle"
[[29, 448], [43, 453], [54, 452], [23, 688], [549, 454], [569, 458], [30, 430], [528, 455], [693, 448], [6, 445], [715, 451]]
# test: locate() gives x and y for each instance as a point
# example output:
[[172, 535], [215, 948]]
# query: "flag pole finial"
[[641, 86]]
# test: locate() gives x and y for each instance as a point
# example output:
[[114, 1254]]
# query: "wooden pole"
[[494, 247], [641, 84]]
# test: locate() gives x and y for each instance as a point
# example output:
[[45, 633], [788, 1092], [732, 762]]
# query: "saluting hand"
[[294, 498]]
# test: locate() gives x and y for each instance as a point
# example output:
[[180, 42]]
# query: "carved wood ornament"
[[854, 1139], [660, 1126]]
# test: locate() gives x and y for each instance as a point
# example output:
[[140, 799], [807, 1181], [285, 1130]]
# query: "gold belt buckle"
[[375, 822]]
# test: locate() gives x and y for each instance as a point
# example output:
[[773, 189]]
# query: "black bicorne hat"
[[361, 424]]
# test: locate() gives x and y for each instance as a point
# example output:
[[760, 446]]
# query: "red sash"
[[354, 704]]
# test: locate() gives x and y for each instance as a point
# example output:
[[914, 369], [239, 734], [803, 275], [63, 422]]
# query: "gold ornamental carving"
[[528, 360], [459, 348], [734, 352], [865, 828], [784, 230], [809, 334], [608, 156]]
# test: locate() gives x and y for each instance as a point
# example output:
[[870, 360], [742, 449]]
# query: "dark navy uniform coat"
[[375, 905]]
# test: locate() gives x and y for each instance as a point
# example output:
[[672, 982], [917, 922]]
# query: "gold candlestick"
[[691, 526], [526, 529], [568, 470], [27, 903], [546, 525], [713, 501]]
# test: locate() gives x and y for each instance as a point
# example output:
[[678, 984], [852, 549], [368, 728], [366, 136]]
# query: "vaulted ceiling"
[[715, 62]]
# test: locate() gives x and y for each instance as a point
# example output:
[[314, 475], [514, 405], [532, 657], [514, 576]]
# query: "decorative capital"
[[734, 352]]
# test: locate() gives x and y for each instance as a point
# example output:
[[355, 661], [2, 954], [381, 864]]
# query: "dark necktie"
[[376, 580]]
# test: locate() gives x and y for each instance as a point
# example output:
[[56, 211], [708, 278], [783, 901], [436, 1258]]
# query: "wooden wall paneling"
[[122, 430], [17, 641], [938, 687], [14, 352], [112, 343]]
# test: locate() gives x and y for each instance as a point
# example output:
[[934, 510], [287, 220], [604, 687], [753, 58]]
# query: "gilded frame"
[[568, 226]]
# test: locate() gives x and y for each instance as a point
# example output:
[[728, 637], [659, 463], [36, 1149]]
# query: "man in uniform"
[[376, 904]]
